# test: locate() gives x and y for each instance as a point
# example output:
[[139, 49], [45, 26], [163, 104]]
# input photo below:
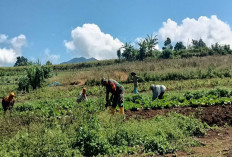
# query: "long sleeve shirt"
[[135, 80], [113, 87], [157, 90]]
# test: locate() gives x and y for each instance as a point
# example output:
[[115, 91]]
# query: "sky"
[[59, 30]]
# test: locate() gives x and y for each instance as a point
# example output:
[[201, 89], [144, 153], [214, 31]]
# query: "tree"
[[147, 46], [48, 63], [201, 43], [198, 44], [142, 50], [21, 61], [167, 53], [179, 46], [151, 43], [168, 44], [222, 50], [227, 49], [130, 53], [119, 54]]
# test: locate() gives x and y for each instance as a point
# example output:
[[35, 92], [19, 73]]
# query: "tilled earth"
[[215, 143], [220, 115]]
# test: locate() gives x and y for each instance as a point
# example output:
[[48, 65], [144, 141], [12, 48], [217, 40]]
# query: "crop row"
[[193, 99], [64, 106]]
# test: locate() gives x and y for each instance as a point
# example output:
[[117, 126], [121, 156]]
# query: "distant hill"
[[79, 60]]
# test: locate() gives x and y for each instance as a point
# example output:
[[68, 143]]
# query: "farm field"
[[194, 118]]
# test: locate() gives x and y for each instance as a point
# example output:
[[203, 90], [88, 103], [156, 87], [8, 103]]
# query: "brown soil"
[[219, 115], [216, 143]]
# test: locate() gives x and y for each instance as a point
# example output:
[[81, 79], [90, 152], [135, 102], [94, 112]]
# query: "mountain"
[[79, 60]]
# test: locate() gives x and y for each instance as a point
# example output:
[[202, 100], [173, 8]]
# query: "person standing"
[[135, 80], [117, 94], [158, 91]]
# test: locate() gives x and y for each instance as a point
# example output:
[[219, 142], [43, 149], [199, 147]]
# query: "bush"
[[158, 144], [167, 53], [36, 75], [90, 141]]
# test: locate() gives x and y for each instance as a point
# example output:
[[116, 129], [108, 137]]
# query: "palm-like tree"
[[151, 42], [147, 46]]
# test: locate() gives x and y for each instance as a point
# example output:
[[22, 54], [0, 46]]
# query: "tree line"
[[23, 61], [147, 49]]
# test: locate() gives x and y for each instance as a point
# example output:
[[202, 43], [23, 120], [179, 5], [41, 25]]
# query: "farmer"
[[135, 80], [158, 91], [117, 94], [8, 102], [82, 96]]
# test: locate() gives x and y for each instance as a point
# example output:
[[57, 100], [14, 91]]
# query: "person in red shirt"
[[8, 102], [117, 94]]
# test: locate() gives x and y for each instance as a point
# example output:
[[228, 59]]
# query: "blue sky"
[[59, 30]]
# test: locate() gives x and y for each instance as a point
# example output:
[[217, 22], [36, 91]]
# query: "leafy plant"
[[35, 76]]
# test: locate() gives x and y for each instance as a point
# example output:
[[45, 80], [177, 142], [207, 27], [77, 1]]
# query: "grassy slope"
[[27, 122]]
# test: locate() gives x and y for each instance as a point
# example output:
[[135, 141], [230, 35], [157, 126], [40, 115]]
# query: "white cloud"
[[10, 49], [3, 38], [210, 30], [18, 42], [89, 41], [50, 57], [7, 56]]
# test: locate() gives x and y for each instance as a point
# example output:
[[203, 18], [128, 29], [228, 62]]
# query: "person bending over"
[[82, 96], [158, 91], [8, 102], [117, 94]]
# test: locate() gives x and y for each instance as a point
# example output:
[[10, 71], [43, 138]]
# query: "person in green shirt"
[[117, 94]]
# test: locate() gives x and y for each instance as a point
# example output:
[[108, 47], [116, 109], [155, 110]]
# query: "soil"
[[216, 143], [219, 115]]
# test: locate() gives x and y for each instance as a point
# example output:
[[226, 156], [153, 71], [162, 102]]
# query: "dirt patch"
[[215, 143], [219, 115]]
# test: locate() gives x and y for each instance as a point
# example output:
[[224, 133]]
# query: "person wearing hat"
[[117, 94], [135, 80], [82, 96], [8, 102], [158, 91]]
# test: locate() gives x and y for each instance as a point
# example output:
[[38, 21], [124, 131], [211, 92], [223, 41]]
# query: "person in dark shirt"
[[135, 80]]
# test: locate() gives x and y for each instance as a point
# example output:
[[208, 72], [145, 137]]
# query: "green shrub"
[[89, 139], [35, 76], [158, 144]]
